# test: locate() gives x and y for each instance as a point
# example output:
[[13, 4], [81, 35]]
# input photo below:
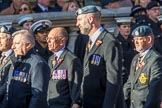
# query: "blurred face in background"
[[124, 30], [27, 25], [25, 9], [45, 3], [5, 42], [73, 6], [41, 36], [144, 3], [153, 13]]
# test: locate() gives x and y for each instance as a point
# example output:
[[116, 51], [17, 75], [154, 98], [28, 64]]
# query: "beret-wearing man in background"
[[5, 59]]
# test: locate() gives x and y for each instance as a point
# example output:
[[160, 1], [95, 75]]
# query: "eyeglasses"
[[25, 9], [54, 38], [155, 9]]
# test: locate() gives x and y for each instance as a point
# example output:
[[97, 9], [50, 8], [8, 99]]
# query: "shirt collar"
[[58, 54], [7, 53], [143, 54], [42, 7], [95, 35]]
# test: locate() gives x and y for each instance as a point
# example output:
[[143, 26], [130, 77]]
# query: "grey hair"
[[26, 36]]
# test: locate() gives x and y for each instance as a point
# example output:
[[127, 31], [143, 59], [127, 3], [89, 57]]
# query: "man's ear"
[[63, 41], [149, 39], [29, 46]]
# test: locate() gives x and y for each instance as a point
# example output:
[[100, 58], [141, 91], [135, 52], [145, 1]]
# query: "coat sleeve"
[[113, 58], [155, 83], [75, 80], [39, 83]]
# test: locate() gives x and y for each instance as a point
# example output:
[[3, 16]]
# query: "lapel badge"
[[141, 64], [60, 60], [136, 33], [143, 78], [98, 42]]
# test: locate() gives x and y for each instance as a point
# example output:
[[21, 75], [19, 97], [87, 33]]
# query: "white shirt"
[[58, 54], [94, 37], [6, 54], [42, 7]]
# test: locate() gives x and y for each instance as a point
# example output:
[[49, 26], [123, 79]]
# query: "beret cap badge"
[[80, 11], [136, 33], [2, 29]]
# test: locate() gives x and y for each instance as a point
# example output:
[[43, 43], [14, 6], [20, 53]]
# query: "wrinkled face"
[[153, 12], [19, 47], [55, 41], [83, 24], [41, 36], [24, 9], [45, 3], [27, 25], [5, 42], [72, 7], [140, 43], [124, 29]]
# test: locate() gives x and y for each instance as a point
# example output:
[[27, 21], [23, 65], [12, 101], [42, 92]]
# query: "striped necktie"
[[89, 45], [54, 61]]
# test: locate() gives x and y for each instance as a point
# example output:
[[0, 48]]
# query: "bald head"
[[59, 32], [57, 39]]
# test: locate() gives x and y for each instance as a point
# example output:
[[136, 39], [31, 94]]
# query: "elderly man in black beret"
[[144, 83], [5, 62], [102, 61]]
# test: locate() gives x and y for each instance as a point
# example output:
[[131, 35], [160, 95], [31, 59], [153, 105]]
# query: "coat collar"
[[96, 45]]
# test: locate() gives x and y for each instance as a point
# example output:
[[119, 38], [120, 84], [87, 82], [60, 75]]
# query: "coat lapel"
[[145, 61], [60, 59], [96, 45]]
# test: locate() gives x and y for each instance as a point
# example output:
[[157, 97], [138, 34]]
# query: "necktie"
[[46, 10], [138, 62], [54, 61], [89, 45], [2, 58]]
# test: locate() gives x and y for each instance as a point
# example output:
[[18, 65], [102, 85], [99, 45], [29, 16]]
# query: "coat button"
[[132, 100]]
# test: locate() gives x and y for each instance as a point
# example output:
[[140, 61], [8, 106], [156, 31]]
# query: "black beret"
[[141, 31], [88, 9], [7, 29], [135, 9], [152, 4]]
